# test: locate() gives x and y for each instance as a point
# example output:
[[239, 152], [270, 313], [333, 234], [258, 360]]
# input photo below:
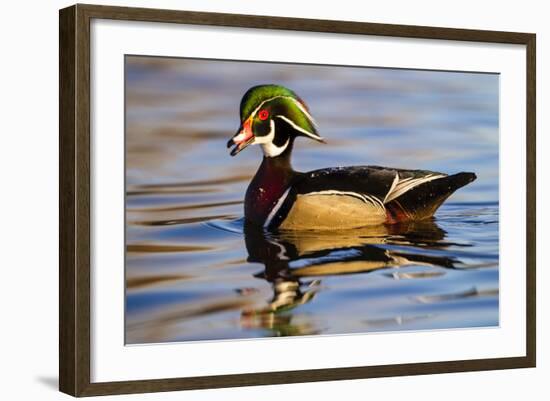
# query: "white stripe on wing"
[[276, 208], [401, 186]]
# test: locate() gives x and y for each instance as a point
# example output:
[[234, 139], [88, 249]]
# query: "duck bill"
[[242, 138]]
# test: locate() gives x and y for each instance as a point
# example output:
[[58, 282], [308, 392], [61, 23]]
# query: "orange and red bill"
[[242, 138]]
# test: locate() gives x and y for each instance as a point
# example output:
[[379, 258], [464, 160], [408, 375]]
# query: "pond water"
[[195, 272]]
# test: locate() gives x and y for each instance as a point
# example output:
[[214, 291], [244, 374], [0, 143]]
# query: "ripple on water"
[[364, 280]]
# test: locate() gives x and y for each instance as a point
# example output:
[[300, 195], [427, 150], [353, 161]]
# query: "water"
[[195, 272]]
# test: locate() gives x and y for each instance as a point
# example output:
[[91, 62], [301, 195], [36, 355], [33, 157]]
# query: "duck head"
[[272, 116]]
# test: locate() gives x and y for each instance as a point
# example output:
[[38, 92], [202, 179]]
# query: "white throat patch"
[[268, 147]]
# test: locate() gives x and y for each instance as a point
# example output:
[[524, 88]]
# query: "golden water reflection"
[[295, 263]]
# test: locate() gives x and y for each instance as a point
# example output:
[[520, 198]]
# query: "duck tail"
[[422, 201]]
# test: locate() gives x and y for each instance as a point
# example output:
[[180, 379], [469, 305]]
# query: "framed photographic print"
[[250, 200]]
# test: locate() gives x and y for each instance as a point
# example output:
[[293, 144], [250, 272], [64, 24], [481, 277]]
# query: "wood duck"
[[279, 197]]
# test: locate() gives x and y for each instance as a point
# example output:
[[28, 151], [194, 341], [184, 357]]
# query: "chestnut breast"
[[265, 189]]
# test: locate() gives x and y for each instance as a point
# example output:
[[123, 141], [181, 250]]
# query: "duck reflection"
[[296, 262]]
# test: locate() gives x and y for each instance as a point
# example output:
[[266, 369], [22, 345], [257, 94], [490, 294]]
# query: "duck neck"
[[281, 162], [268, 185]]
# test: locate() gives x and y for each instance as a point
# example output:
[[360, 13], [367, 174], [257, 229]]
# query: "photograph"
[[270, 199]]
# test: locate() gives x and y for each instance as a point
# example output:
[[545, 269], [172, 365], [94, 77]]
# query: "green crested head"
[[259, 94], [272, 116]]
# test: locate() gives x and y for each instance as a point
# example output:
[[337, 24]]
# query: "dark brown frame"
[[74, 199]]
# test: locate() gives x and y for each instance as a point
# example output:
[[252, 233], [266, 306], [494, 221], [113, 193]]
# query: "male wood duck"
[[332, 198]]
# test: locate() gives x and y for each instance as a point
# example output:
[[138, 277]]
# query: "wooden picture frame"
[[74, 203]]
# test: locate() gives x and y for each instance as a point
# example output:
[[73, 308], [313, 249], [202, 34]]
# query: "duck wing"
[[418, 198], [347, 197]]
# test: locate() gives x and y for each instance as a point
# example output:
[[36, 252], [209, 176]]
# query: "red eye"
[[263, 114]]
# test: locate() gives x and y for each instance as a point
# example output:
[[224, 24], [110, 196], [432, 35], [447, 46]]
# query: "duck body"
[[279, 197], [346, 197]]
